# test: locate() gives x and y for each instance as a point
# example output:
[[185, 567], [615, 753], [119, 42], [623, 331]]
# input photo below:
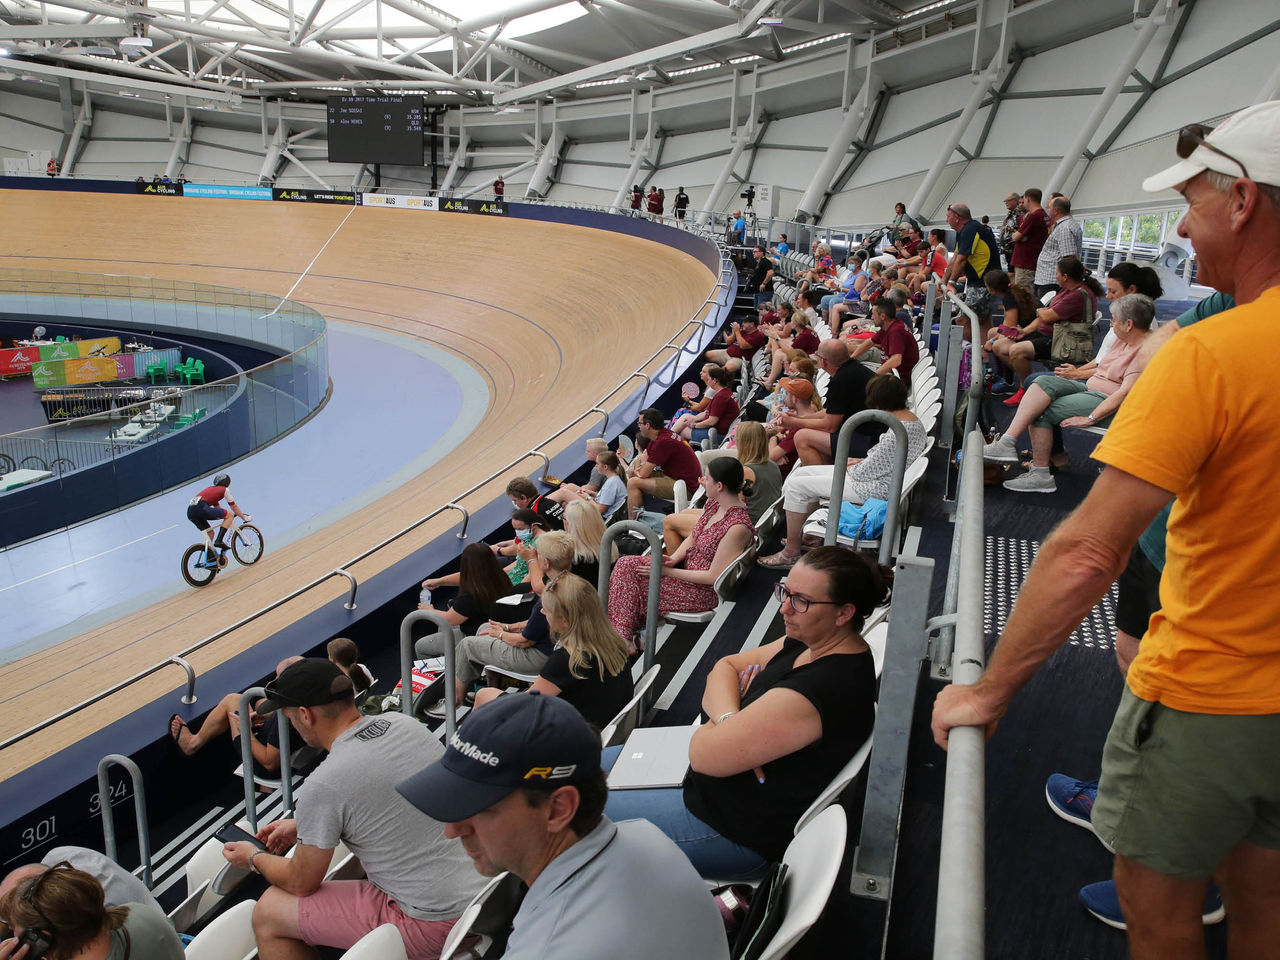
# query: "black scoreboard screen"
[[376, 130]]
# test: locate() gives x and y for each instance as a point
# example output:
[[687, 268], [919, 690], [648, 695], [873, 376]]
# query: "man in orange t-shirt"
[[1191, 771]]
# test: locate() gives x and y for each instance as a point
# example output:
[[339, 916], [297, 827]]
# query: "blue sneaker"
[[1102, 901], [1000, 388], [1072, 799]]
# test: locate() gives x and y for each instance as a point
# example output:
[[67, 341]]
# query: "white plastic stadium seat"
[[837, 786], [462, 927], [380, 943], [724, 585], [227, 937], [620, 727], [812, 859]]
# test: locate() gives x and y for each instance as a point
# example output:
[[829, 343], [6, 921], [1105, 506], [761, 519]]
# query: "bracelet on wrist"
[[725, 716], [252, 866]]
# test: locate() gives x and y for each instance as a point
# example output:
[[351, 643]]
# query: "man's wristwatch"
[[252, 866], [1090, 418]]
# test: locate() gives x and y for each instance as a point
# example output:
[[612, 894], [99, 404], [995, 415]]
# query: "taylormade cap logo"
[[473, 752]]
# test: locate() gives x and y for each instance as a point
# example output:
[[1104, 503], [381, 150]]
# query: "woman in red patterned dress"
[[688, 576]]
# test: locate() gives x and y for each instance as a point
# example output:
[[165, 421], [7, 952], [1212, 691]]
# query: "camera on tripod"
[[749, 195]]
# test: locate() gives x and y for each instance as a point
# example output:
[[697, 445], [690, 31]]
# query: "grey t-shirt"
[[624, 891], [766, 489], [151, 936], [597, 478], [352, 797], [118, 884]]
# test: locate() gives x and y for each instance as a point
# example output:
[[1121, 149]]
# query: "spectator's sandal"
[[779, 561]]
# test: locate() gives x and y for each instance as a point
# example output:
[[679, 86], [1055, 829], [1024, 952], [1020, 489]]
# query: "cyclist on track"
[[204, 508]]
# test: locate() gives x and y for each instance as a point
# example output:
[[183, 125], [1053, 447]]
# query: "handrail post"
[[190, 696], [604, 424], [450, 665], [655, 580], [139, 811], [889, 536], [546, 463], [351, 600], [466, 517]]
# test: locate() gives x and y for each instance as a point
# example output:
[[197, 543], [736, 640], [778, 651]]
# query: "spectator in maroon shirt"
[[901, 352], [745, 339], [718, 416], [499, 188], [665, 460], [1029, 238]]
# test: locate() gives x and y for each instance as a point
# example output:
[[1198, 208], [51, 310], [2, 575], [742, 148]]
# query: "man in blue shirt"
[[783, 248], [738, 232]]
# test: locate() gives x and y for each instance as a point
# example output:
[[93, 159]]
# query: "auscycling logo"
[[293, 195], [21, 357], [474, 752], [40, 370], [85, 369], [61, 353]]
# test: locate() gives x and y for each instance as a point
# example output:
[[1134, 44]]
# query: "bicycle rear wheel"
[[193, 570], [247, 544]]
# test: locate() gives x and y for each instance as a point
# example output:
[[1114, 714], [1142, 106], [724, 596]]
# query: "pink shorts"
[[343, 911]]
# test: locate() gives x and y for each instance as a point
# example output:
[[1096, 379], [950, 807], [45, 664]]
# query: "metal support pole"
[[1102, 104], [655, 580], [139, 811], [950, 373], [736, 145], [890, 534], [190, 696], [285, 730], [546, 464], [450, 665], [811, 203], [960, 926]]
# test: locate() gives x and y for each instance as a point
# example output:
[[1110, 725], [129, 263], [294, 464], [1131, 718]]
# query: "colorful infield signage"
[[19, 360]]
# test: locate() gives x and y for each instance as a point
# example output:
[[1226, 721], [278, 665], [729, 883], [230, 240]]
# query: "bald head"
[[833, 351], [285, 663], [18, 875]]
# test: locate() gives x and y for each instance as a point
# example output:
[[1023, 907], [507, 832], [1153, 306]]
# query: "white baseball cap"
[[1245, 144]]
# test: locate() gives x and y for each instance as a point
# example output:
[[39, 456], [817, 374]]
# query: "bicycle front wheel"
[[193, 569], [247, 544]]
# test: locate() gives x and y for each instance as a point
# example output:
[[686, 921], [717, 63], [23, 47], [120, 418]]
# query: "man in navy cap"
[[520, 785]]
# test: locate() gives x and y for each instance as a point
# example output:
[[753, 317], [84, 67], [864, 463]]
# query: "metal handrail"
[[840, 468], [139, 811], [285, 729], [450, 665], [655, 579], [726, 268]]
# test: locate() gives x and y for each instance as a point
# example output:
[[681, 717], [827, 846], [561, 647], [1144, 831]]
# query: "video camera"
[[749, 195]]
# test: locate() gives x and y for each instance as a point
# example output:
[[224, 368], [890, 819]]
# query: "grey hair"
[[898, 296], [824, 249], [1223, 182], [1137, 308], [961, 210]]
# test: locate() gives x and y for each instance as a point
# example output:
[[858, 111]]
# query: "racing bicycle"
[[244, 542]]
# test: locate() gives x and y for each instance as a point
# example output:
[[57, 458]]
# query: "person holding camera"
[[61, 913]]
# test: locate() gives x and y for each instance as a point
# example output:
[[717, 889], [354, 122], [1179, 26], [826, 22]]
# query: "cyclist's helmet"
[[222, 480]]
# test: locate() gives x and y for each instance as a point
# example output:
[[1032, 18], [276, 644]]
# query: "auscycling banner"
[[159, 189], [492, 208], [313, 196], [399, 201], [225, 192]]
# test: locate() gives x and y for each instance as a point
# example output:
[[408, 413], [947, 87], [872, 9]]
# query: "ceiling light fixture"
[[770, 21]]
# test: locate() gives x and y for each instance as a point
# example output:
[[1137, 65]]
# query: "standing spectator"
[[738, 230], [51, 168], [975, 251], [1188, 772], [682, 204], [654, 202], [1009, 225], [762, 271], [416, 879], [499, 188], [1066, 239], [893, 337], [1029, 238], [665, 460], [522, 788], [65, 909], [901, 219], [815, 436], [637, 198]]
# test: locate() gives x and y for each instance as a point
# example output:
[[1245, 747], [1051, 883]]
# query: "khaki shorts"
[[664, 488], [1180, 790]]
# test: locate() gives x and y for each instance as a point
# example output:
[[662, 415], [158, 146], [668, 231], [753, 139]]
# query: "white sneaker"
[[1035, 480], [1000, 451]]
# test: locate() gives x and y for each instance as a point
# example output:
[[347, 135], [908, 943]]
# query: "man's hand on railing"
[[963, 706]]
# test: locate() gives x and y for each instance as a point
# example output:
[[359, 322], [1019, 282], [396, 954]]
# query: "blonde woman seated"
[[865, 478], [585, 527], [689, 574], [522, 647], [762, 484], [1086, 396], [588, 667], [566, 492]]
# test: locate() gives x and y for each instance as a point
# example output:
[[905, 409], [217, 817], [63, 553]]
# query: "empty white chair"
[[227, 937], [812, 859], [380, 943]]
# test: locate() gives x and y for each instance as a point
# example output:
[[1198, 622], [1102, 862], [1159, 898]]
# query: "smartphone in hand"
[[234, 834]]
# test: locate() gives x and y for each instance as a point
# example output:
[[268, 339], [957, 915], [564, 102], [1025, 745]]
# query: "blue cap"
[[518, 740]]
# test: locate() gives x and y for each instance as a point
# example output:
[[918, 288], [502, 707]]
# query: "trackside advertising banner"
[[20, 360], [225, 191], [313, 196], [491, 208], [159, 189], [399, 201]]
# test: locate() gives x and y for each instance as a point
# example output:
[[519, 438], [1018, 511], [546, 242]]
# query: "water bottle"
[[424, 597]]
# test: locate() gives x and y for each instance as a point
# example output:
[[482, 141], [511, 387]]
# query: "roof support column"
[[811, 203], [271, 162], [1146, 30], [84, 120], [548, 159], [737, 144], [181, 145], [455, 164], [983, 83]]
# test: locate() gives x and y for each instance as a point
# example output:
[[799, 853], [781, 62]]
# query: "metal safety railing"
[[721, 298], [139, 810], [650, 643], [960, 653], [450, 633], [838, 473], [285, 729]]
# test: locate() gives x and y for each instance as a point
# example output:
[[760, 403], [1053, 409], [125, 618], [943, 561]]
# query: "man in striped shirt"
[[1066, 239]]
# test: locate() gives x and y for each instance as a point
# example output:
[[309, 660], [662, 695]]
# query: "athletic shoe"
[[1016, 398], [1102, 901], [1000, 451], [1072, 799], [1000, 388], [1035, 480]]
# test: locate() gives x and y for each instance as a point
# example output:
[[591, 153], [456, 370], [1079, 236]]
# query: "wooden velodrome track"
[[554, 317]]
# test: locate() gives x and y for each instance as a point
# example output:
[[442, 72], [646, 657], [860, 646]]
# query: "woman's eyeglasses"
[[798, 604], [1195, 135]]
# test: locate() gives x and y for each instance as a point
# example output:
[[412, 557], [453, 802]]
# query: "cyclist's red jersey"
[[212, 495]]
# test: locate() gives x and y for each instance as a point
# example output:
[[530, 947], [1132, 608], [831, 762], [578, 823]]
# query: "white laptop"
[[653, 757]]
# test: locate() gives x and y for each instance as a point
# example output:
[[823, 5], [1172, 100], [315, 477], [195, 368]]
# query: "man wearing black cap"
[[417, 879], [521, 786]]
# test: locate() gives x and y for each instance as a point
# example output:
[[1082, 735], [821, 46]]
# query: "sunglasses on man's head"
[[1195, 135]]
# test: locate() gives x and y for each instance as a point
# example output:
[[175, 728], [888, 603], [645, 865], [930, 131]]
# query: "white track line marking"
[[73, 563]]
